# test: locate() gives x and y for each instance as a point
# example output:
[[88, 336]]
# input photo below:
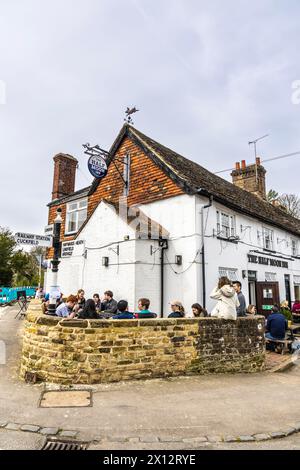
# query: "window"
[[297, 280], [76, 215], [268, 239], [270, 277], [225, 225], [294, 248], [228, 272]]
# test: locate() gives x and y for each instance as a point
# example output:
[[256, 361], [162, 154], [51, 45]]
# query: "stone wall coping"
[[36, 316]]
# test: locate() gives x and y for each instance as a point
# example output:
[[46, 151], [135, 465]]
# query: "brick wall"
[[81, 351]]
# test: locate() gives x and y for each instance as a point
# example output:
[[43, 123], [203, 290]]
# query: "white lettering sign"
[[34, 240]]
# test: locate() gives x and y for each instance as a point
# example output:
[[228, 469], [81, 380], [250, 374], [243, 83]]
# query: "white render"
[[135, 272]]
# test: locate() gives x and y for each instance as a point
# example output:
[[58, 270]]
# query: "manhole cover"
[[66, 399], [54, 444]]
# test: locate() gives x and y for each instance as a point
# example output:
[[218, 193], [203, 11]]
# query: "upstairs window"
[[225, 225], [294, 248], [268, 239], [76, 215], [231, 273]]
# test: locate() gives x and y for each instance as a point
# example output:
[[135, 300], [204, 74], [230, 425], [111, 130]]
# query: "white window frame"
[[296, 280], [225, 230], [268, 239], [231, 273], [295, 247], [75, 207]]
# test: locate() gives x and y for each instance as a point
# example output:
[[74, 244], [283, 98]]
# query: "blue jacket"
[[276, 325], [123, 316]]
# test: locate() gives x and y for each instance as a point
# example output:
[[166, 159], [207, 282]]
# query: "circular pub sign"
[[97, 166]]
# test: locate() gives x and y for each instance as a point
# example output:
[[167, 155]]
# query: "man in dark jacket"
[[109, 304], [241, 310], [276, 324], [123, 313]]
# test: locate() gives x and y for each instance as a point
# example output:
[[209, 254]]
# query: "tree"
[[7, 245], [25, 269], [291, 202]]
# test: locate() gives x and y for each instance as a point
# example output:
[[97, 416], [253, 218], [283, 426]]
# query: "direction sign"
[[33, 240], [49, 230]]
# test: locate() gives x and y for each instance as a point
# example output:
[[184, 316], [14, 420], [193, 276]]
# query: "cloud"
[[207, 78]]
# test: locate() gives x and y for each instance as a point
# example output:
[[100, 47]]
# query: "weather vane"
[[128, 113]]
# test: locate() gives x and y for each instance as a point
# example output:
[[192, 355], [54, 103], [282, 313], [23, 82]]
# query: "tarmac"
[[176, 413]]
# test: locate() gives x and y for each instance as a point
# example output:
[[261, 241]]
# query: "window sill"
[[269, 251], [70, 234], [228, 240]]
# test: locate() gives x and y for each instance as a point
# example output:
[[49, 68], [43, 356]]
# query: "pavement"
[[176, 413]]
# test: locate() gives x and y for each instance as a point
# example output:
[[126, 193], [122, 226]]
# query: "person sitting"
[[144, 312], [89, 310], [276, 324], [296, 311], [122, 311], [80, 299], [285, 310], [109, 304], [177, 310], [65, 309], [227, 298], [199, 311], [97, 301], [251, 310]]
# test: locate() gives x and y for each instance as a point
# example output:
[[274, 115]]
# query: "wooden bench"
[[284, 343]]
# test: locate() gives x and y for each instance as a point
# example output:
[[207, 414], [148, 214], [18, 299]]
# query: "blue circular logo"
[[97, 166]]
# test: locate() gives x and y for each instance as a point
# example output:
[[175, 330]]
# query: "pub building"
[[160, 226]]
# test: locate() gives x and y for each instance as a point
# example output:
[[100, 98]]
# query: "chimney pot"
[[243, 164], [237, 166]]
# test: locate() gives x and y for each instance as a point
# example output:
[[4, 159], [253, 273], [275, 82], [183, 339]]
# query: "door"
[[267, 296], [287, 289]]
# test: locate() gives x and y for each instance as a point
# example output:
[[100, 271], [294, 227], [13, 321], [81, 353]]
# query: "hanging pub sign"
[[97, 166]]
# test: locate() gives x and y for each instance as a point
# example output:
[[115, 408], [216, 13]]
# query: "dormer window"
[[75, 216], [225, 225]]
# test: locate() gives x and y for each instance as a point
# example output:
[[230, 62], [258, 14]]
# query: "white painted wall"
[[135, 272]]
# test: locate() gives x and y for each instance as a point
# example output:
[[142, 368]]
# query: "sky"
[[207, 77]]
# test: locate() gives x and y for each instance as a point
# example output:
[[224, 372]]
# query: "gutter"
[[203, 248]]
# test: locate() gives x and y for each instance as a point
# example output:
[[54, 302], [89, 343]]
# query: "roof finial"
[[128, 113]]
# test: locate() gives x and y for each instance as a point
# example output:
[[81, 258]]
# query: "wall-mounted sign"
[[97, 166], [267, 307], [49, 230], [69, 248], [277, 263], [34, 240]]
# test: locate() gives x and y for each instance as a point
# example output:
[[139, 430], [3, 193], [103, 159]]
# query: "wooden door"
[[267, 296]]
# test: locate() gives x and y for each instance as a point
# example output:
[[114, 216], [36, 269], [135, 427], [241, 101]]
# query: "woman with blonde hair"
[[177, 310], [285, 310], [227, 299]]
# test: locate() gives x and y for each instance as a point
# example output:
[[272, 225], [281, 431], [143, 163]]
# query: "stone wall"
[[97, 351]]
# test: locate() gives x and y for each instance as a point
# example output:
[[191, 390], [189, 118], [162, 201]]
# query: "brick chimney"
[[64, 175], [250, 177]]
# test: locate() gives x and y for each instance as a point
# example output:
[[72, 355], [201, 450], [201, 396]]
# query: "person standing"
[[241, 310], [228, 302]]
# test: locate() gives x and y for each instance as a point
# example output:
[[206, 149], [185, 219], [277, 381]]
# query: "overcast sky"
[[207, 76]]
